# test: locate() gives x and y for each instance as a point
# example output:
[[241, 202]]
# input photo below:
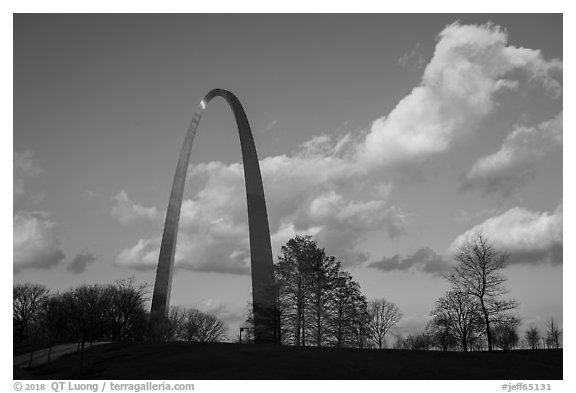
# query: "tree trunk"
[[487, 320], [339, 337], [303, 326], [318, 320], [278, 321], [298, 315]]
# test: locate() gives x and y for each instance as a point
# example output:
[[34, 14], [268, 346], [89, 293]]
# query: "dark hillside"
[[182, 360]]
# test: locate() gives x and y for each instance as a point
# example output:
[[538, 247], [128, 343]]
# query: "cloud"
[[517, 161], [335, 188], [411, 324], [466, 216], [213, 226], [142, 256], [228, 313], [527, 237], [469, 66], [36, 244], [233, 315], [425, 260], [35, 240], [413, 60], [80, 261], [341, 223], [269, 126], [126, 211], [25, 167], [207, 252], [89, 194]]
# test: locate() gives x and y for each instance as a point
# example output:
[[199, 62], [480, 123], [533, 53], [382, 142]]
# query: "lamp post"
[[241, 330]]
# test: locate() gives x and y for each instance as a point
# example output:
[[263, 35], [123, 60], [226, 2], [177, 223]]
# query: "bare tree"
[[461, 315], [127, 310], [322, 273], [553, 334], [348, 323], [27, 301], [202, 327], [360, 319], [421, 341], [173, 326], [505, 334], [384, 316], [533, 337], [477, 273], [88, 308], [441, 335]]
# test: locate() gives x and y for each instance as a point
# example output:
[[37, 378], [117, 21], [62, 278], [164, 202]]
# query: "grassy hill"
[[182, 360]]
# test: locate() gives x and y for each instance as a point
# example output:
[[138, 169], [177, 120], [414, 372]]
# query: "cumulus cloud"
[[213, 233], [25, 167], [469, 66], [206, 252], [126, 211], [334, 188], [143, 255], [517, 160], [341, 223], [36, 244], [527, 237], [80, 262], [228, 313], [424, 259]]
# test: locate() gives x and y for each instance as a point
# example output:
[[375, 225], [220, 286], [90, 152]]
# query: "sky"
[[389, 138]]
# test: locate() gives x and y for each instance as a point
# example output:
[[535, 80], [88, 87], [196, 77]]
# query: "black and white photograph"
[[288, 196]]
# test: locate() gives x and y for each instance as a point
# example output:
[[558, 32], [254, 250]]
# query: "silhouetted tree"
[[293, 273], [479, 344], [174, 323], [202, 327], [322, 272], [477, 274], [247, 328], [384, 315], [349, 318], [27, 302], [553, 334], [56, 322], [360, 321], [533, 337], [399, 343], [505, 334], [88, 308], [416, 341], [111, 312], [441, 335], [127, 310], [460, 314], [318, 303]]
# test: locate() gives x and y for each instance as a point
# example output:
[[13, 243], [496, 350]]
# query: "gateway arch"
[[263, 286]]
